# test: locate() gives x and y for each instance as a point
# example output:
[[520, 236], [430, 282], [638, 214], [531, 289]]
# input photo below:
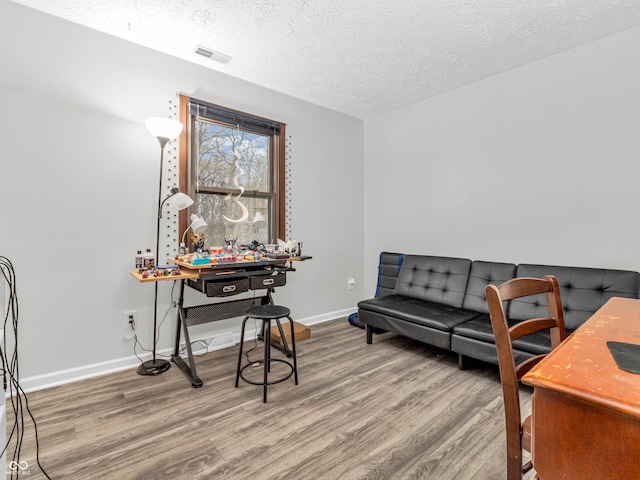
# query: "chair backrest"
[[505, 332]]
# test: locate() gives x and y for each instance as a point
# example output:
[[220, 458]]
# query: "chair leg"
[[244, 322], [515, 469]]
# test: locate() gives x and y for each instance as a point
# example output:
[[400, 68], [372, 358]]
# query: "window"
[[232, 165]]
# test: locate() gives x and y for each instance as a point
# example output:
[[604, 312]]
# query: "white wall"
[[78, 189], [553, 147], [539, 164]]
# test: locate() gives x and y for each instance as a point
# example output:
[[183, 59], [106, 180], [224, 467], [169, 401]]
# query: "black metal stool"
[[267, 313]]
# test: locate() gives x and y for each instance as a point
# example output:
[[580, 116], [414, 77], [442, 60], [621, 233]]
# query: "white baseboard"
[[327, 316], [62, 377]]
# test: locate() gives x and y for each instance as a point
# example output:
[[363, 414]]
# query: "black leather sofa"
[[441, 301]]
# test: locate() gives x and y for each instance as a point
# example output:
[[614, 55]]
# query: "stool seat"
[[268, 312]]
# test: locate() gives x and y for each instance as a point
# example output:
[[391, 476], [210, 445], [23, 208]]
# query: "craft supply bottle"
[[149, 259], [139, 260], [183, 249]]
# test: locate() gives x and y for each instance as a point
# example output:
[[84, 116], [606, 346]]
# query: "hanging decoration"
[[245, 212]]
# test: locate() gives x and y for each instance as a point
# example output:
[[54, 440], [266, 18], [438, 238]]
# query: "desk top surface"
[[241, 263], [189, 271], [184, 274], [583, 367]]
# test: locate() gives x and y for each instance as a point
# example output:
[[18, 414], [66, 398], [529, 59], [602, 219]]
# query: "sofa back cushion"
[[483, 274], [388, 270], [583, 291], [436, 279]]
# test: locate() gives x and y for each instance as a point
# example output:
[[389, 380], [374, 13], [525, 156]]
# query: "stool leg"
[[244, 322], [285, 344], [293, 348], [266, 325]]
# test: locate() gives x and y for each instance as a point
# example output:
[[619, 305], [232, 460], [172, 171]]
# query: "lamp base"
[[153, 367]]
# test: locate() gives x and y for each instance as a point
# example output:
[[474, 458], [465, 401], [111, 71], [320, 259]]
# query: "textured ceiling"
[[359, 57]]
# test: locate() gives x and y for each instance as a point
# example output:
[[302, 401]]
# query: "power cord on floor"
[[164, 317], [11, 379]]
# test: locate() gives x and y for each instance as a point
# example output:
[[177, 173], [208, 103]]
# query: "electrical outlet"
[[351, 283], [129, 324]]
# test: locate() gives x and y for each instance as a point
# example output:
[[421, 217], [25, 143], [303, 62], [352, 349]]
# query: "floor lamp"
[[164, 130]]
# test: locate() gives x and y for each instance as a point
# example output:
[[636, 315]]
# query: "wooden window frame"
[[184, 168]]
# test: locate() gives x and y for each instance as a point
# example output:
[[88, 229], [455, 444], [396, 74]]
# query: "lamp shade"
[[259, 221], [161, 127], [179, 200], [198, 225]]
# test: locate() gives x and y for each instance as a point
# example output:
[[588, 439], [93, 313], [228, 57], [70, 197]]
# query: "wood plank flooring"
[[395, 410]]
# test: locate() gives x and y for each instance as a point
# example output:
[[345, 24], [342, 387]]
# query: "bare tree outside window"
[[232, 164], [217, 172]]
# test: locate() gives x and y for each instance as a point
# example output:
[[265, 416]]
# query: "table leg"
[[189, 371]]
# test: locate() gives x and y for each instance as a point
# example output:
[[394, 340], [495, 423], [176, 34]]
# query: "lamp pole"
[[164, 130]]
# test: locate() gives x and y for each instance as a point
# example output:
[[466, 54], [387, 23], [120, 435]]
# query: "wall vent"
[[212, 54], [201, 346]]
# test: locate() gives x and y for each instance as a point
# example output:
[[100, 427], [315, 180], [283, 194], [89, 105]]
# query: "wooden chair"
[[519, 432]]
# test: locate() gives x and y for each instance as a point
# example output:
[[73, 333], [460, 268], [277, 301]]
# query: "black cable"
[[136, 343], [166, 314], [255, 341], [135, 336], [201, 342], [11, 377]]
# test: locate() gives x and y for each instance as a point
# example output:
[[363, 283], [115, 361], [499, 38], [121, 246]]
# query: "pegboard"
[[168, 242], [288, 188]]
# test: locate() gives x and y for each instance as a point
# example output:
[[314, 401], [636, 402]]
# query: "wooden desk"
[[586, 411]]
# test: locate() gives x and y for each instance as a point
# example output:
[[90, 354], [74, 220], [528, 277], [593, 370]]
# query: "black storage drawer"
[[224, 288], [275, 279], [198, 284]]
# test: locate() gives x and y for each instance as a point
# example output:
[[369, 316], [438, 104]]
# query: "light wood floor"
[[396, 410]]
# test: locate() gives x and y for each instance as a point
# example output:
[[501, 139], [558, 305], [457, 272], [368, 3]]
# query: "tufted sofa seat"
[[441, 301]]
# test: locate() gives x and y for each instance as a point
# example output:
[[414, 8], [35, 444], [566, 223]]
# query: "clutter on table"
[[169, 270], [231, 252]]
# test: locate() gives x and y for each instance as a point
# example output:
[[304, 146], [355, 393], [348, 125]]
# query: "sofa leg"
[[369, 330], [463, 362]]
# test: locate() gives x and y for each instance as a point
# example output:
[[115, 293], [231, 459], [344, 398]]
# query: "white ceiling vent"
[[212, 54]]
